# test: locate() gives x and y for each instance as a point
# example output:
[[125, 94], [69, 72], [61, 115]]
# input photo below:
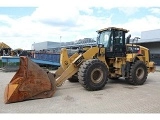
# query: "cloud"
[[71, 20], [6, 20], [136, 26], [155, 10], [129, 10], [56, 15], [112, 3]]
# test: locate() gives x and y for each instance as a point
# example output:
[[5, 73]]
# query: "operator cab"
[[113, 39]]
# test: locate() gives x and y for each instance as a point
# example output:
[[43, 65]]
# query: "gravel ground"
[[116, 97]]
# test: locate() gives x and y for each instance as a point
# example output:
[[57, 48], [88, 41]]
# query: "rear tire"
[[114, 78], [93, 74], [74, 78], [138, 73]]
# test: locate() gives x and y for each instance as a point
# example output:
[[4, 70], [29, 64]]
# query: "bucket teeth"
[[30, 82]]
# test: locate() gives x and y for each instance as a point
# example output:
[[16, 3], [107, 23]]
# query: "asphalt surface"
[[116, 97]]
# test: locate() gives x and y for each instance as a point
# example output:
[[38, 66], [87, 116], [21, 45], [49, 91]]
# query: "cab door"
[[116, 46], [119, 44]]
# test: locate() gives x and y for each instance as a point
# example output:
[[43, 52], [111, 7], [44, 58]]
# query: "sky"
[[23, 23]]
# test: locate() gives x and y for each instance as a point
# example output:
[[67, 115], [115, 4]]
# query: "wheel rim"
[[97, 75], [140, 73]]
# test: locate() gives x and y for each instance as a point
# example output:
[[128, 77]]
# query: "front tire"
[[93, 74], [138, 73]]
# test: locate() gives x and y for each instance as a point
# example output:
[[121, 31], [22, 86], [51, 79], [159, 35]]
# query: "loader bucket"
[[30, 82]]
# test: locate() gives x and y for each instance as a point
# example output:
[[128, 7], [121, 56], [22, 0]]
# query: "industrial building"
[[151, 40], [45, 45], [55, 46]]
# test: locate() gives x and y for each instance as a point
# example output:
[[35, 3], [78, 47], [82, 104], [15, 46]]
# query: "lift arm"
[[70, 66]]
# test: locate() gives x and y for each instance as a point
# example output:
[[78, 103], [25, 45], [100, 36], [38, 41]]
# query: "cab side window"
[[118, 38]]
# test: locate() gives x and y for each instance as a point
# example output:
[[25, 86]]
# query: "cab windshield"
[[104, 38]]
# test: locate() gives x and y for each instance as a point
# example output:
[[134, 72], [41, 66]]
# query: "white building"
[[151, 40], [45, 45], [48, 45]]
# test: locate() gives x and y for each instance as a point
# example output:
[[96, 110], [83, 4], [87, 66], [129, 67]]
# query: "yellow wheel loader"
[[113, 57]]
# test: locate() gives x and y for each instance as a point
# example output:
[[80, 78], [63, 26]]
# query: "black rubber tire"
[[74, 78], [138, 73], [114, 78], [93, 74]]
